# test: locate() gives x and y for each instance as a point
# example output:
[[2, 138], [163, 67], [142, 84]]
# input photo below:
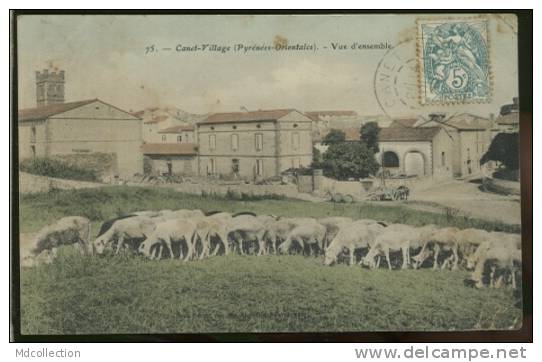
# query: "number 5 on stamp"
[[453, 58]]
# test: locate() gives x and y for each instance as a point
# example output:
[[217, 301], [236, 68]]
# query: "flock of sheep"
[[493, 257]]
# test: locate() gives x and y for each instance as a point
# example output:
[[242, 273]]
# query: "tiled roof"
[[157, 119], [467, 121], [38, 113], [508, 119], [236, 117], [333, 113], [408, 134], [177, 129], [169, 148], [403, 122], [351, 134]]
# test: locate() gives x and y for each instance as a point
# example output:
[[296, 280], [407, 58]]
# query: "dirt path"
[[466, 197]]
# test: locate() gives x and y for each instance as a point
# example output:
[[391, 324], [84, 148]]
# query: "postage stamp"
[[453, 58]]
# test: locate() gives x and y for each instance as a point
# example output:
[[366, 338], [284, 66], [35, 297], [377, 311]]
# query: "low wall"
[[29, 183]]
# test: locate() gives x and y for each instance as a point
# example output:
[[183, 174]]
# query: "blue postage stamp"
[[453, 58]]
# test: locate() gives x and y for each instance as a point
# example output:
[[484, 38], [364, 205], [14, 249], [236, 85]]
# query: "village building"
[[409, 151], [508, 119], [254, 145], [175, 152], [86, 127], [170, 158], [438, 147], [158, 119]]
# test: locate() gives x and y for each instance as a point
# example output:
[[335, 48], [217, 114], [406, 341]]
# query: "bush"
[[349, 159], [505, 149], [44, 166]]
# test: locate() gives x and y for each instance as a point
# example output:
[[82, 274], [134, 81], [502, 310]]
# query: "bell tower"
[[49, 87]]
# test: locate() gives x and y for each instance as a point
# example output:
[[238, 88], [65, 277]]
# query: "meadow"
[[289, 293]]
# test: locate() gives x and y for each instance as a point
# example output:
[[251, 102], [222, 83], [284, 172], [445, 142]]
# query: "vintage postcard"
[[268, 173]]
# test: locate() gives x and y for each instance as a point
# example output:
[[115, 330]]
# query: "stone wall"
[[29, 183]]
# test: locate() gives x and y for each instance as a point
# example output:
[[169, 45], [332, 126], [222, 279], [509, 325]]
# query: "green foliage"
[[369, 134], [349, 159], [505, 149], [334, 136], [316, 158], [102, 295], [44, 166]]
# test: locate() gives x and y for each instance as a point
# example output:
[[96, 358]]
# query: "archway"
[[414, 164], [390, 159]]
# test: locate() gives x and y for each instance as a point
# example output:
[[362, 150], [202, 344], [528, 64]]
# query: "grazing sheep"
[[359, 234], [209, 228], [70, 230], [311, 234], [106, 225], [440, 240], [267, 242], [131, 229], [169, 232], [333, 225], [246, 228], [495, 255], [468, 241], [397, 237]]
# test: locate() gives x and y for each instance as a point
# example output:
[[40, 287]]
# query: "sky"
[[105, 57]]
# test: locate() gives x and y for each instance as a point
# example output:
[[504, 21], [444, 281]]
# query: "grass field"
[[86, 295], [37, 210]]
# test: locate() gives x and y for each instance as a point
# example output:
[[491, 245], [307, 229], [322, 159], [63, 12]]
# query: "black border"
[[525, 334]]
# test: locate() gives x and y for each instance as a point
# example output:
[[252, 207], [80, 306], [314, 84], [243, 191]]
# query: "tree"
[[369, 134], [349, 159], [505, 149], [316, 158], [334, 136]]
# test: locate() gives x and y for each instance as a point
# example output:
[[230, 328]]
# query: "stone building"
[[439, 147], [254, 145], [175, 152], [411, 151], [84, 127], [508, 119], [171, 158]]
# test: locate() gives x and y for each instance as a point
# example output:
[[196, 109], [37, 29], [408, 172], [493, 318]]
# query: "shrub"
[[505, 149], [44, 166], [349, 159]]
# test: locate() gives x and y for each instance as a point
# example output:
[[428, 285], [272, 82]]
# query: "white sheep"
[[360, 234]]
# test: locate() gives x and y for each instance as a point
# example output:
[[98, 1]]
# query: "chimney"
[[49, 87], [437, 117]]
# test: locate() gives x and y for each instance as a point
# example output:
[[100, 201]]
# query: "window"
[[235, 166], [212, 142], [33, 134], [259, 141], [295, 140], [211, 166], [234, 142], [33, 151], [390, 159], [179, 139], [164, 138], [443, 159], [259, 167]]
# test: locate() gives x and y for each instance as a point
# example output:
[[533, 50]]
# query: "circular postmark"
[[395, 81]]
